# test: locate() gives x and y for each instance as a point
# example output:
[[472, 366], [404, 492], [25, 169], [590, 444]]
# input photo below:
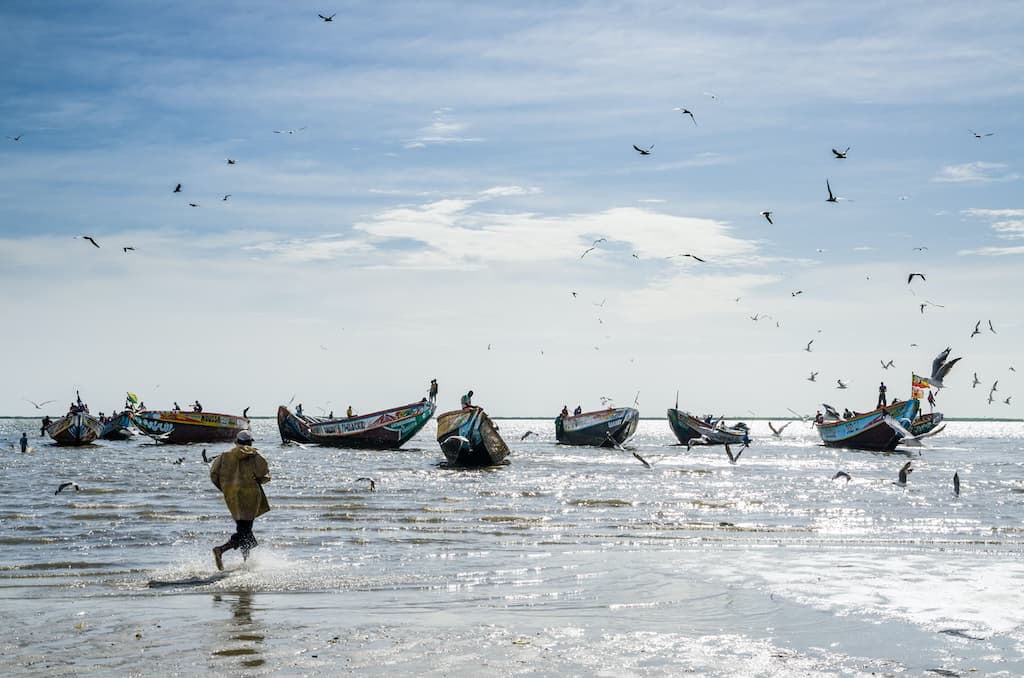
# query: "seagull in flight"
[[767, 215], [920, 249], [842, 474], [991, 329], [225, 198], [128, 249], [1007, 401], [793, 294], [64, 486], [840, 383], [328, 18], [808, 347], [813, 377], [230, 161], [89, 238], [289, 131], [177, 189], [193, 204], [940, 368], [777, 432], [887, 365], [979, 136], [644, 151], [683, 111], [39, 406], [976, 330], [527, 435], [911, 277], [17, 138], [976, 381], [841, 155]]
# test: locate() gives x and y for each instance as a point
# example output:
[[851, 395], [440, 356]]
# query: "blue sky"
[[450, 164]]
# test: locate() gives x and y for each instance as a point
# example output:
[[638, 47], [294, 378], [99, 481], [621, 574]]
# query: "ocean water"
[[567, 561]]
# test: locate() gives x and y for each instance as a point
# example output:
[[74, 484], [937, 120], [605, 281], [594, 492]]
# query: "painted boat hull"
[[869, 431], [180, 428], [603, 428], [75, 429], [468, 437], [688, 427], [118, 428], [924, 423], [385, 430]]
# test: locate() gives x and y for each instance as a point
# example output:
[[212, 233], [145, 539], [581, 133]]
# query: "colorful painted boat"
[[602, 428], [384, 430], [688, 427], [468, 437], [177, 428], [869, 431], [118, 427], [75, 428], [925, 423]]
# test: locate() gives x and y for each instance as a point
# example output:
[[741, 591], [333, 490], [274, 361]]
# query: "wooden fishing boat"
[[177, 427], [468, 437], [384, 430], [118, 427], [688, 427], [925, 423], [602, 428], [869, 431], [75, 428]]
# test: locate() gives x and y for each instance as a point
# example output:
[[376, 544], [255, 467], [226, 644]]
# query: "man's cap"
[[244, 437]]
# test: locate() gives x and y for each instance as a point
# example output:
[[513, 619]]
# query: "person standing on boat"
[[881, 395], [348, 412], [24, 442], [240, 474], [432, 394], [565, 412], [578, 411], [298, 409], [931, 401], [467, 400], [196, 407]]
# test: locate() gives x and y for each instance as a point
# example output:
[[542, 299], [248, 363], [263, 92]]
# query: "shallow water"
[[569, 561]]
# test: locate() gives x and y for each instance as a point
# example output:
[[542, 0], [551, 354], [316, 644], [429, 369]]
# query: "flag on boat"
[[133, 399], [918, 386]]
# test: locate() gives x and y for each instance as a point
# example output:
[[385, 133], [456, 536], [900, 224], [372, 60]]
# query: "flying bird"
[[920, 249], [1007, 401], [991, 329], [683, 111], [17, 138], [841, 154], [177, 189], [714, 97], [808, 347], [904, 472], [226, 196], [128, 249], [793, 294], [39, 406], [289, 131], [642, 460], [527, 435], [940, 368], [733, 458], [840, 384], [89, 238], [979, 136], [842, 474], [230, 161], [777, 432], [64, 486], [976, 381], [644, 151], [693, 256], [911, 277], [767, 215], [813, 377], [193, 204], [956, 483], [977, 330], [328, 18], [373, 485], [887, 365]]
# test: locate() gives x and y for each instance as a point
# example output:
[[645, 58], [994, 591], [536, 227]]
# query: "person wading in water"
[[240, 474]]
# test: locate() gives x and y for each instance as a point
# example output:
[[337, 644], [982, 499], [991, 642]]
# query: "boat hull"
[[688, 427], [925, 423], [603, 428], [75, 429], [118, 428], [385, 430], [678, 422], [180, 428], [468, 437], [869, 431]]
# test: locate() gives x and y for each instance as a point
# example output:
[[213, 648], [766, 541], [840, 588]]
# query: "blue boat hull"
[[869, 431]]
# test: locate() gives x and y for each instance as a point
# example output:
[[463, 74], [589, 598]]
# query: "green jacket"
[[239, 474]]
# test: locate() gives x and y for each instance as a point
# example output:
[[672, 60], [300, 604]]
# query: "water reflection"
[[244, 636]]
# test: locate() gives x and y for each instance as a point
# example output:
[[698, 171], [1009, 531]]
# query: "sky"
[[417, 187]]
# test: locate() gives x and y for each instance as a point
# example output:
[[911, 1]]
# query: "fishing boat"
[[117, 427], [177, 427], [384, 430], [869, 431], [75, 428], [926, 423], [603, 428], [468, 437], [687, 427]]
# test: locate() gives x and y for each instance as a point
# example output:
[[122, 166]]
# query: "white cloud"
[[995, 251], [975, 172], [1008, 223], [507, 191], [442, 130]]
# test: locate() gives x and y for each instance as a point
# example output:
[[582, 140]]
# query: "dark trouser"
[[881, 400], [243, 538]]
